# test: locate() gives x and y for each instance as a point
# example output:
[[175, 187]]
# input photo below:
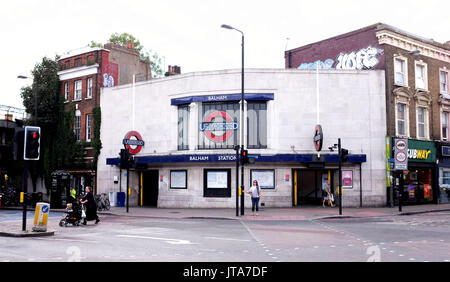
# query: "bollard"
[[40, 217]]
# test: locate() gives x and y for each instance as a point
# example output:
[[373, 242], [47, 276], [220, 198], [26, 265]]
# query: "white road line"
[[227, 239], [167, 240]]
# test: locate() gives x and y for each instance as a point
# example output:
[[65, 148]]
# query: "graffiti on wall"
[[363, 59], [326, 65], [110, 74]]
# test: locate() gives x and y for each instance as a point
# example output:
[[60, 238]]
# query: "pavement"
[[14, 229]]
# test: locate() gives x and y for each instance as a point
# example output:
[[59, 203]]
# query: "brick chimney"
[[173, 70]]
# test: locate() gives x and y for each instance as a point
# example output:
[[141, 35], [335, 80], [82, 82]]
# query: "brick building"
[[417, 72], [83, 73]]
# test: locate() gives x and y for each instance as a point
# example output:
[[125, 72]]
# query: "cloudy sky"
[[187, 32]]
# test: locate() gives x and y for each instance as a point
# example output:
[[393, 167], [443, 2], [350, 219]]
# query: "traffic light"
[[32, 143], [124, 158], [244, 157], [344, 155]]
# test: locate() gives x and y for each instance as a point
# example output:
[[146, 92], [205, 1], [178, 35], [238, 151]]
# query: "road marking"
[[167, 240], [227, 239], [66, 240]]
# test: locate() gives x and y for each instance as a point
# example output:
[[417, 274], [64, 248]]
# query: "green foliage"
[[96, 142], [152, 57], [94, 44]]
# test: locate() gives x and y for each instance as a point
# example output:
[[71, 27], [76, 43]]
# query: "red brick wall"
[[331, 48]]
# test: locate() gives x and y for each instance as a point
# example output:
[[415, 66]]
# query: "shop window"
[[444, 186], [418, 186], [257, 125], [183, 127], [217, 183], [178, 179]]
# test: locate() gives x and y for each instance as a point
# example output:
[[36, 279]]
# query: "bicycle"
[[102, 202]]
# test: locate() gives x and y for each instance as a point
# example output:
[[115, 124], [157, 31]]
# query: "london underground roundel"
[[318, 138], [218, 126], [133, 142]]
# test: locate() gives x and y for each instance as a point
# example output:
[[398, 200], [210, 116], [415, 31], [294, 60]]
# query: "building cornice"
[[410, 44], [78, 72]]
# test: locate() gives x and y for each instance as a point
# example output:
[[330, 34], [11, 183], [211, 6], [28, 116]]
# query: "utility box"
[[41, 217], [113, 198]]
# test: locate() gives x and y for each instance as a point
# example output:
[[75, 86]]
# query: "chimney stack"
[[173, 70]]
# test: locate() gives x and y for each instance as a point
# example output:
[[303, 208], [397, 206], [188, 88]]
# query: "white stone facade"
[[352, 107]]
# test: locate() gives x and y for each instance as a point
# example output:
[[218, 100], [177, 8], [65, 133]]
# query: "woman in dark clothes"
[[91, 206]]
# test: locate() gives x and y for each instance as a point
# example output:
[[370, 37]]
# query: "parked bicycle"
[[102, 202]]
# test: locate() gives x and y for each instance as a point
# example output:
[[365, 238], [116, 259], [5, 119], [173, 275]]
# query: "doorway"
[[308, 185], [149, 188]]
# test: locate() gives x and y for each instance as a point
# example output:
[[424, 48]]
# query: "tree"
[[125, 38], [58, 147]]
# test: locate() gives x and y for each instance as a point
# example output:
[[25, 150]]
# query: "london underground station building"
[[190, 124]]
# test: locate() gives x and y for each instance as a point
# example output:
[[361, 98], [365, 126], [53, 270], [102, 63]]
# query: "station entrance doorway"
[[149, 188], [308, 184]]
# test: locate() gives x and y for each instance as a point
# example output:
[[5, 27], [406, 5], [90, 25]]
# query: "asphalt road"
[[419, 238]]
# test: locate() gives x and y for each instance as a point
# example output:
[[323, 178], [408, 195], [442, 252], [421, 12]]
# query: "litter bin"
[[40, 217], [121, 199], [112, 198]]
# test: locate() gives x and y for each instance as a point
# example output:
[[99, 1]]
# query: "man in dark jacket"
[[91, 206]]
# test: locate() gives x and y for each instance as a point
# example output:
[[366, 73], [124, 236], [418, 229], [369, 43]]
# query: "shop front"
[[420, 179], [444, 173]]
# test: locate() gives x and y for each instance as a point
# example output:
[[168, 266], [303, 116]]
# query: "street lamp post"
[[241, 123]]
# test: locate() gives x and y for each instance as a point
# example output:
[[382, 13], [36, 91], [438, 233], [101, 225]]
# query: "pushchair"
[[73, 214]]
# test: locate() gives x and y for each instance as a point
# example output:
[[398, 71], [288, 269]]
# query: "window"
[[76, 127], [219, 125], [89, 88], [88, 128], [66, 91], [444, 121], [401, 119], [77, 90], [78, 62], [400, 71], [183, 127], [178, 179], [257, 125], [421, 76], [422, 122], [443, 82]]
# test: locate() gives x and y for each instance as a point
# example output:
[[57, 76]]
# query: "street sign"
[[400, 154]]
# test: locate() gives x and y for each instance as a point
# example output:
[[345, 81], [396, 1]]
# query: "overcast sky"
[[187, 33]]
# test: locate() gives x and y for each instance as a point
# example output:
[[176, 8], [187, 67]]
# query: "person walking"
[[256, 194], [91, 206]]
